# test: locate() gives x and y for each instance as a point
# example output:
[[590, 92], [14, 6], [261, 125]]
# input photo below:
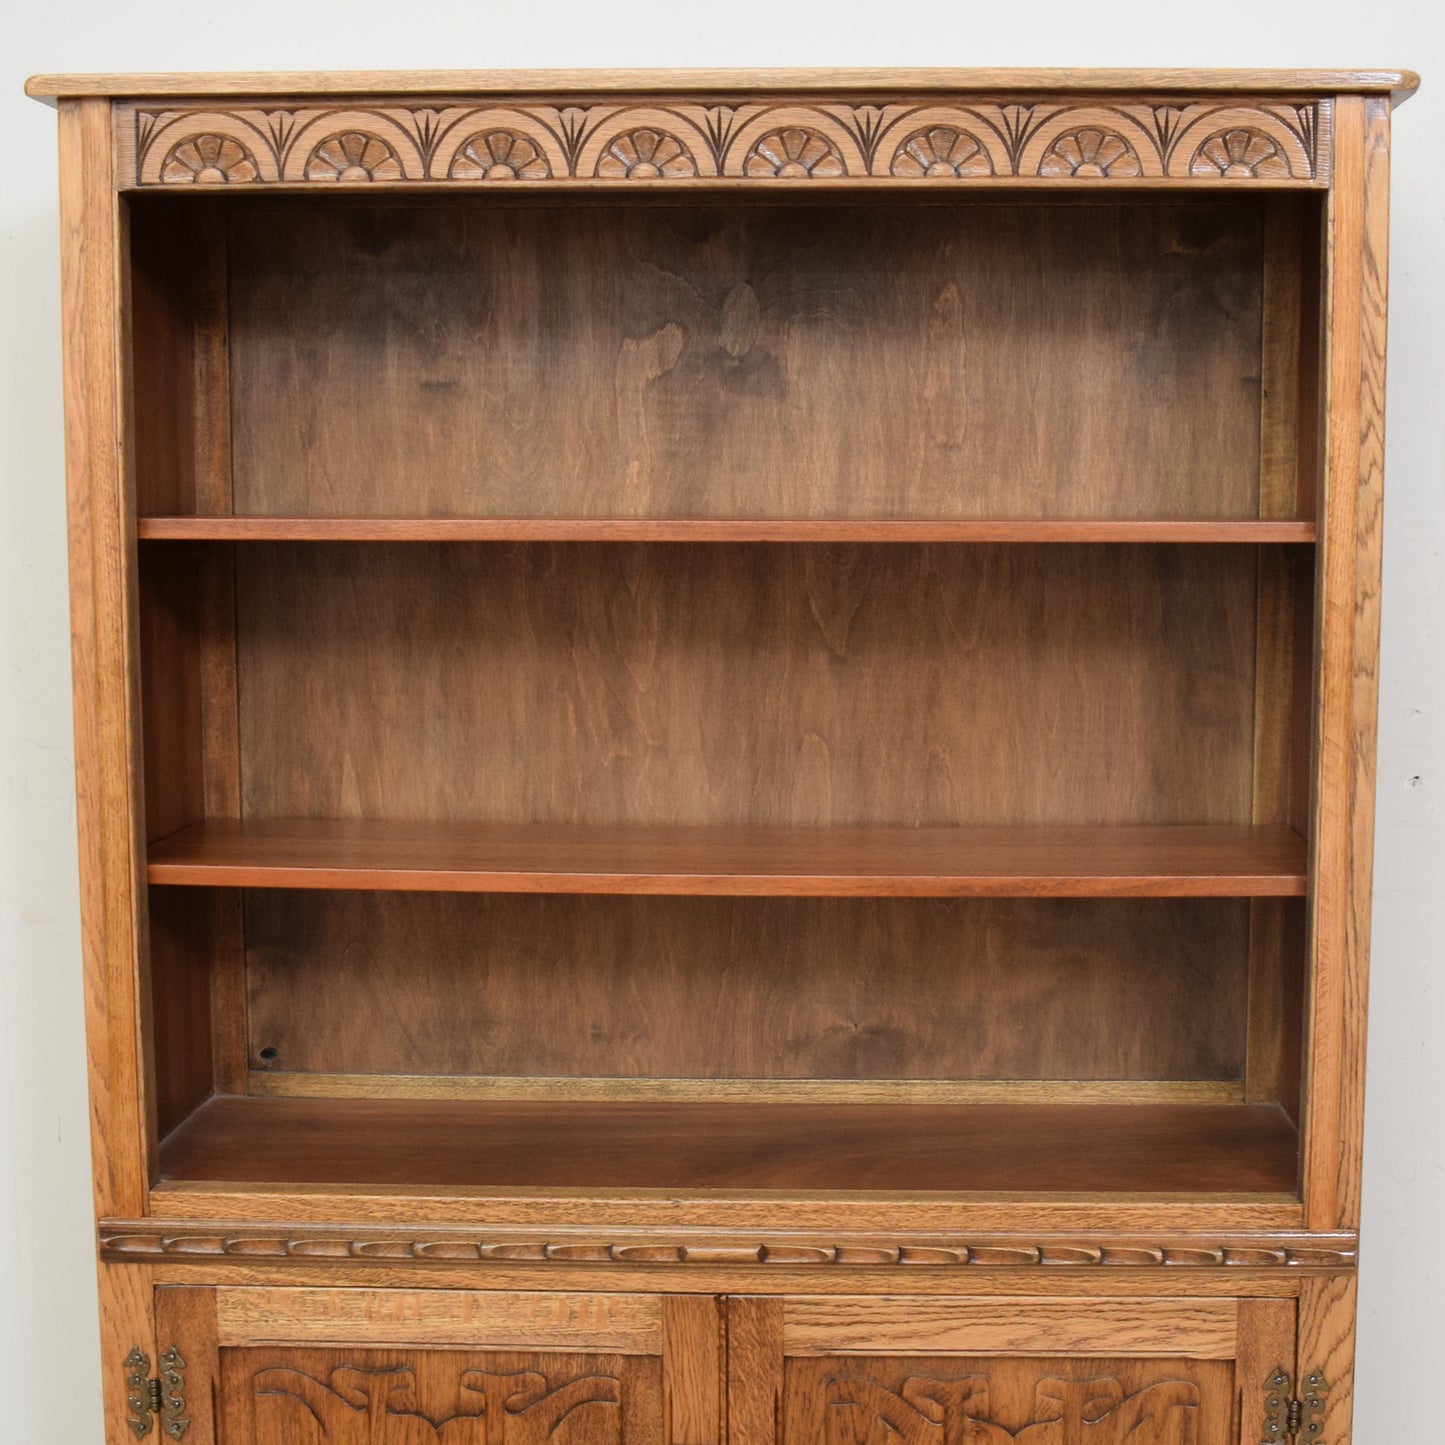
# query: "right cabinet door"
[[837, 1370]]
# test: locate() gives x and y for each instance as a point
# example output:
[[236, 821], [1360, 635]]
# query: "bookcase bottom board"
[[1201, 1149]]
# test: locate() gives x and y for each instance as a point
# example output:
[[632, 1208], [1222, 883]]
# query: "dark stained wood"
[[747, 360], [384, 984], [1118, 862], [1192, 1149], [182, 948], [719, 529], [769, 685]]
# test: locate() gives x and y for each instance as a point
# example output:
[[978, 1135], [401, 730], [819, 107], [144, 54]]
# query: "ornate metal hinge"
[[162, 1399], [1289, 1418]]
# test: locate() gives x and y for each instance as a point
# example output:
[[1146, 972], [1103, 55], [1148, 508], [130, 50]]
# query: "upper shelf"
[[995, 862], [719, 529]]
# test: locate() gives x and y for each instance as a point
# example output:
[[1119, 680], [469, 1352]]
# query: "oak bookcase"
[[724, 738]]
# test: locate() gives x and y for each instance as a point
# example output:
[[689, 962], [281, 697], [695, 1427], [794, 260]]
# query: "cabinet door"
[[289, 1366], [990, 1371]]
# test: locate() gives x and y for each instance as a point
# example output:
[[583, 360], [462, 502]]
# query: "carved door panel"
[[261, 1366], [981, 1371]]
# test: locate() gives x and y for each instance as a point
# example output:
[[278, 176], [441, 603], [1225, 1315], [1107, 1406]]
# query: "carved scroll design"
[[361, 1406], [929, 1411], [146, 1239], [944, 140]]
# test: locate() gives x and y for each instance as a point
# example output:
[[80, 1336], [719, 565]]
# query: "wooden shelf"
[[1122, 862], [993, 1148], [719, 529]]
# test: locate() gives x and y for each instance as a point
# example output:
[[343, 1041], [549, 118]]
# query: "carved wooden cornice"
[[151, 1240], [928, 141]]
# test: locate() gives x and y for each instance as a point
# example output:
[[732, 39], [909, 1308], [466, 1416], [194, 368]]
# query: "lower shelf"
[[1195, 1149]]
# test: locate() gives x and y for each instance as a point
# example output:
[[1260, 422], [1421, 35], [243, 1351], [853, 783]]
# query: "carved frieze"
[[948, 139], [150, 1240]]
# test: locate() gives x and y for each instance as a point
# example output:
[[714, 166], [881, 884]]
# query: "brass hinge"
[[1287, 1417], [162, 1398]]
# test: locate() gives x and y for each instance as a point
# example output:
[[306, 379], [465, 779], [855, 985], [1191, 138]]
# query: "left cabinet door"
[[346, 1366]]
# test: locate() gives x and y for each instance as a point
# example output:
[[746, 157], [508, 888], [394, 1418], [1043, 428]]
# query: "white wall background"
[[48, 1352]]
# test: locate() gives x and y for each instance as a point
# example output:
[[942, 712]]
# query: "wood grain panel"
[[183, 953], [1347, 693], [694, 1369], [746, 361], [382, 984], [1266, 1346], [186, 1323], [109, 805], [843, 1325], [930, 1400], [628, 1324], [755, 1370], [293, 1396], [747, 685], [1187, 1149]]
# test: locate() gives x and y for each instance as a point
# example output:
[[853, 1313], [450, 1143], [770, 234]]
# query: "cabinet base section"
[[1196, 1149]]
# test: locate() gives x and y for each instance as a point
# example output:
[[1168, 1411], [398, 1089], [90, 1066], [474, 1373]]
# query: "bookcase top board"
[[913, 80]]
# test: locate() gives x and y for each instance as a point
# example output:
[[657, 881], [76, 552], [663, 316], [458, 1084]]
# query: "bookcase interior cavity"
[[961, 861]]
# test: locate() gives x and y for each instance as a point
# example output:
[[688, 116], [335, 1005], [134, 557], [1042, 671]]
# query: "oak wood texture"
[[717, 529], [746, 360], [1124, 862], [611, 1323], [600, 82], [761, 685], [1235, 1149], [102, 621], [1347, 662], [550, 553], [694, 1370], [428, 995], [996, 1400], [295, 1396], [186, 1322], [843, 1325]]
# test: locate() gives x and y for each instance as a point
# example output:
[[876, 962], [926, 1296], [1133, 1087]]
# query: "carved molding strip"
[[149, 1241], [947, 139]]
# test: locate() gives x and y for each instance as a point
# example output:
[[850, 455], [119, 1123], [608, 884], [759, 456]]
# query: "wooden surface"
[[764, 685], [694, 1370], [1116, 862], [296, 1396], [746, 360], [1348, 660], [860, 1324], [995, 1400], [821, 81], [629, 1324], [102, 623], [419, 994], [1239, 1149], [719, 529]]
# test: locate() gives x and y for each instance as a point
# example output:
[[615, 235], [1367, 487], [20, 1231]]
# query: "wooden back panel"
[[774, 685], [915, 360]]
